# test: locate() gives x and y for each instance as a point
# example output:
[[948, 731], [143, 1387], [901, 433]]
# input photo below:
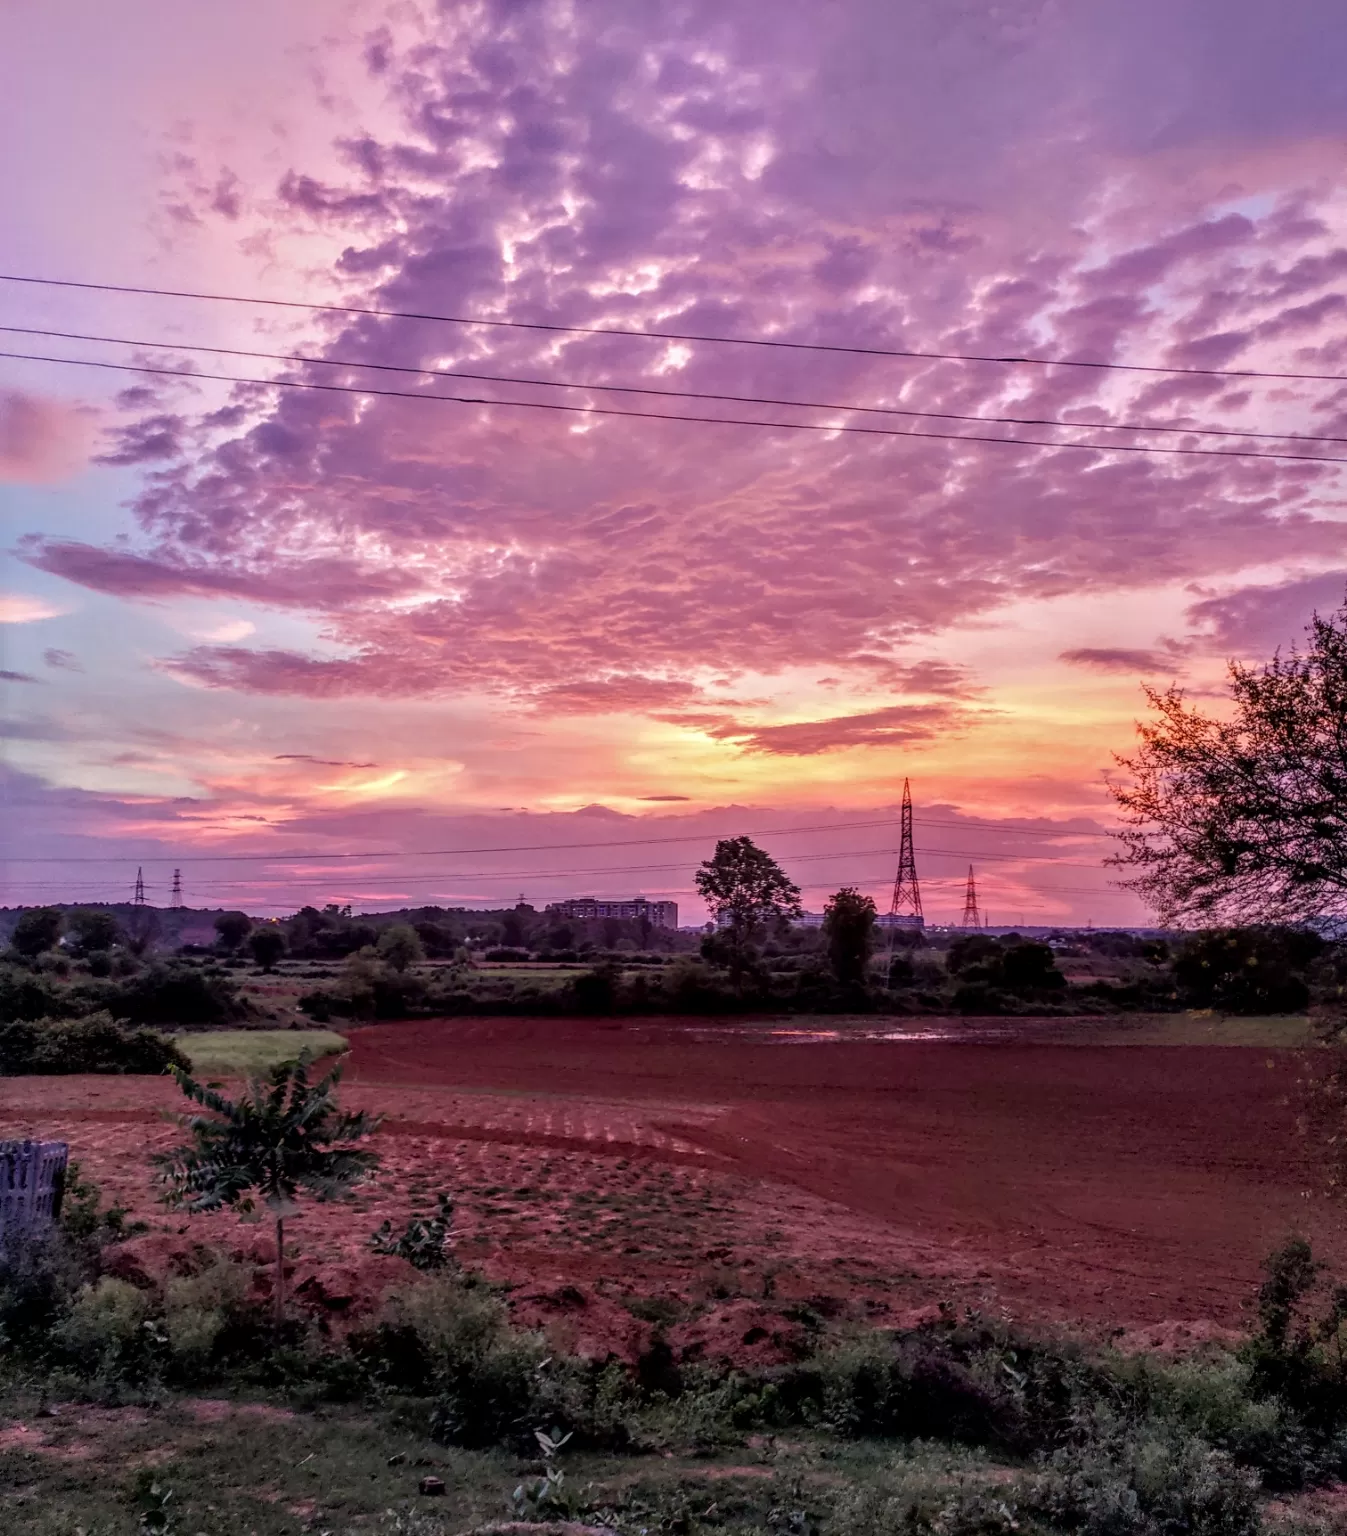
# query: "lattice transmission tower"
[[176, 900], [905, 908], [972, 917], [138, 900]]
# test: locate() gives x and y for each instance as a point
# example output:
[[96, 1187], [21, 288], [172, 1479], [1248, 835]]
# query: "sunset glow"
[[483, 646]]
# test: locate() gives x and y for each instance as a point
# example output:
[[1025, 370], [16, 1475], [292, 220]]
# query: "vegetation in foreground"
[[966, 1424], [181, 1402]]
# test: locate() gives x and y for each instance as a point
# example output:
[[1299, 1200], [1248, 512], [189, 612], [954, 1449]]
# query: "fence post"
[[32, 1185]]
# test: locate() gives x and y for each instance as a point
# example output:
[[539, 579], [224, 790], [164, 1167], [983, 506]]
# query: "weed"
[[424, 1241]]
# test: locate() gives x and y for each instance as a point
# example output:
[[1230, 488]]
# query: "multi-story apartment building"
[[659, 914]]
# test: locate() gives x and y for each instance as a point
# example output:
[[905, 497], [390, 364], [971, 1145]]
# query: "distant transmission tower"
[[972, 918], [177, 889], [905, 908], [138, 900]]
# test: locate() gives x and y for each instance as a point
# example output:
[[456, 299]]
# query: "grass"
[[1291, 1031], [241, 1052], [241, 1469]]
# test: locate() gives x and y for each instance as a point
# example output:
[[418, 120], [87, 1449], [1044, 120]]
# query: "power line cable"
[[438, 853], [715, 421], [648, 335], [309, 855], [606, 870], [674, 394]]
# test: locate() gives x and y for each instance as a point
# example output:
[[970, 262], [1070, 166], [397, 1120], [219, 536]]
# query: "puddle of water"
[[784, 1035]]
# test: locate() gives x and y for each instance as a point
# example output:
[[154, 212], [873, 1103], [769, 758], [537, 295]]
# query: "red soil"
[[1135, 1187]]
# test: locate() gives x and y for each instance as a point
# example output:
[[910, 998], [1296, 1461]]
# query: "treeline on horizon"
[[71, 980]]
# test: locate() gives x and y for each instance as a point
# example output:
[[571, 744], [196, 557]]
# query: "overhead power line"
[[673, 394], [715, 421], [651, 335], [308, 855], [280, 878]]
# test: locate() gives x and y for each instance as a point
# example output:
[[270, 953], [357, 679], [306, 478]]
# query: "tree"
[[93, 932], [849, 933], [746, 890], [233, 928], [284, 1135], [267, 945], [36, 931], [400, 946], [1244, 820]]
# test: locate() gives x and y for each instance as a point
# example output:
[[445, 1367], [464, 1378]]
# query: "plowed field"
[[1135, 1187]]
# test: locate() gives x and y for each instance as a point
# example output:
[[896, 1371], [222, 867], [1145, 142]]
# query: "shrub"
[[1146, 1482], [108, 1331], [24, 994], [205, 1313], [423, 1241], [1248, 970], [594, 991], [176, 995], [95, 1043]]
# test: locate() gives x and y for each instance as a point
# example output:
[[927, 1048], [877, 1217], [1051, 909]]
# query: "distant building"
[[887, 920], [659, 914]]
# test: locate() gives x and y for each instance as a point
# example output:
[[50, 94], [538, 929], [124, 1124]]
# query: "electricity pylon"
[[905, 908], [138, 900], [176, 900], [972, 918]]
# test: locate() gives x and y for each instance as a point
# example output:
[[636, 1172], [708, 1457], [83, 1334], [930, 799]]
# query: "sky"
[[370, 643]]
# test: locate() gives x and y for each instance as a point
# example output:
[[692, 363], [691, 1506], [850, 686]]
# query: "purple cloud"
[[693, 171], [1118, 659], [1254, 621]]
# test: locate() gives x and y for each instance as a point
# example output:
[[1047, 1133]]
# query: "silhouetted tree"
[[233, 928], [1244, 819], [747, 891], [36, 931], [849, 932], [267, 945], [92, 932]]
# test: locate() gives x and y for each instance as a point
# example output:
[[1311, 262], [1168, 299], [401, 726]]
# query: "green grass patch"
[[1290, 1031], [241, 1052]]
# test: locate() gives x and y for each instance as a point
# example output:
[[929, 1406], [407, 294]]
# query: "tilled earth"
[[765, 1178]]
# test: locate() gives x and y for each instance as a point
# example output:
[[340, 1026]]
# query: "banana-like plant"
[[284, 1136]]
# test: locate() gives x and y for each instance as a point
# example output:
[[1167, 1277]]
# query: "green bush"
[[95, 1043], [25, 994], [1248, 970], [108, 1331], [174, 996], [1121, 1481], [207, 1313]]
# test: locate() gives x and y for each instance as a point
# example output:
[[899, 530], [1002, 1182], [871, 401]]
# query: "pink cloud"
[[599, 566], [40, 440]]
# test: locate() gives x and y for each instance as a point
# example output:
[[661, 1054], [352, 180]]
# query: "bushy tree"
[[746, 891], [267, 945], [36, 931], [1248, 970], [285, 1136], [1243, 818], [849, 933], [400, 946], [233, 928], [92, 932]]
